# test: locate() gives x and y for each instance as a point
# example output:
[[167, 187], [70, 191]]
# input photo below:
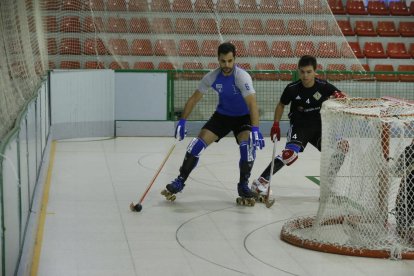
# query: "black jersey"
[[305, 103]]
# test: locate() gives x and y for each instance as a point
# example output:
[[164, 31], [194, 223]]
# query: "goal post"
[[366, 203]]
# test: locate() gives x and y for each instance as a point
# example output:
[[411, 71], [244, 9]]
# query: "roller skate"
[[260, 186], [177, 185], [246, 196]]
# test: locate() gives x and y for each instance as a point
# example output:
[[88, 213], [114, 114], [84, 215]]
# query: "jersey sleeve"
[[207, 81], [330, 89], [244, 83]]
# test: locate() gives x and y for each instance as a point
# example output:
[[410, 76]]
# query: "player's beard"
[[227, 70]]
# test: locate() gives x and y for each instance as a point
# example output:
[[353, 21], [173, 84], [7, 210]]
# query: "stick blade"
[[132, 207], [269, 203]]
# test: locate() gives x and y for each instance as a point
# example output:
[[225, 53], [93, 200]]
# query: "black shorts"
[[305, 134], [221, 125]]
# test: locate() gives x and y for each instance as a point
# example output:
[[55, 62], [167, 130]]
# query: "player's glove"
[[180, 131], [256, 138], [339, 95], [275, 131]]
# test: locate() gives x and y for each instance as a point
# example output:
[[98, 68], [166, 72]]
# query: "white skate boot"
[[260, 186]]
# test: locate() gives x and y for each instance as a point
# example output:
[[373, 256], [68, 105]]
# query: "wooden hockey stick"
[[269, 202]]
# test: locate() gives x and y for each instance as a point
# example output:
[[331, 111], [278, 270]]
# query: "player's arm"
[[335, 92], [191, 103], [275, 131], [254, 111]]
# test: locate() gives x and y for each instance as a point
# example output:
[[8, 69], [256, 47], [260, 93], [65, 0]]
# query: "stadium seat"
[[377, 7], [248, 6], [287, 67], [374, 50], [406, 29], [365, 28], [93, 24], [51, 5], [141, 47], [162, 25], [139, 25], [66, 64], [327, 50], [51, 46], [266, 76], [304, 48], [118, 46], [337, 76], [346, 27], [384, 76], [351, 50], [212, 65], [297, 27], [94, 65], [207, 26], [253, 27], [275, 27], [361, 69], [94, 47], [406, 77], [412, 7], [117, 25], [387, 28], [95, 5], [165, 47], [165, 65], [336, 6], [116, 5], [182, 6], [398, 8], [226, 6], [356, 7], [320, 27], [313, 7], [230, 26], [209, 48], [411, 50], [192, 75], [115, 65], [203, 6], [160, 6], [188, 47], [185, 26], [70, 24], [240, 48], [258, 48], [269, 6], [71, 5], [290, 6], [244, 66], [70, 46], [397, 50], [51, 24], [144, 65], [138, 6], [281, 49], [51, 65]]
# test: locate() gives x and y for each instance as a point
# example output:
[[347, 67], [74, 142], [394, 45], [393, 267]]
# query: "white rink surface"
[[90, 230]]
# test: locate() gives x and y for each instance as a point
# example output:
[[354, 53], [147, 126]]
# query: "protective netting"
[[367, 181]]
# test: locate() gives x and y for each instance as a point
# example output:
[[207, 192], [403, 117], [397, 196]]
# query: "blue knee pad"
[[247, 153], [196, 146], [294, 147]]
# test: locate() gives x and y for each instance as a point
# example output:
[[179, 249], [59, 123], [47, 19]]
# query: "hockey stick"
[[138, 207], [268, 202]]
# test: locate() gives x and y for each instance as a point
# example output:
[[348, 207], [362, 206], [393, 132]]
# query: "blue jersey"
[[230, 89]]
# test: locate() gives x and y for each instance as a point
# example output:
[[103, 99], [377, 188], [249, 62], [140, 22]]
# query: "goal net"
[[366, 203]]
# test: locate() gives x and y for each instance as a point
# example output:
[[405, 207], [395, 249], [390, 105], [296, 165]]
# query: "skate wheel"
[[261, 199], [172, 197], [252, 202], [164, 192], [239, 201], [270, 202]]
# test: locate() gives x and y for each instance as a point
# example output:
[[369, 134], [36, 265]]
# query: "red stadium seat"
[[165, 65], [269, 6], [399, 8], [94, 65], [118, 46], [320, 27], [51, 46], [138, 5], [116, 5], [377, 7], [212, 65], [139, 25], [253, 27], [281, 49], [185, 26], [115, 65], [162, 25], [290, 6], [182, 6], [117, 25], [207, 26], [327, 50], [351, 50], [141, 47], [384, 76], [51, 24], [346, 27], [337, 76], [406, 77], [275, 27], [244, 65], [209, 48], [361, 69], [165, 47], [374, 50], [258, 48], [297, 27], [160, 6], [397, 50], [70, 24], [95, 5], [226, 6], [51, 5], [230, 26], [336, 6], [406, 29], [304, 48], [144, 65], [356, 7], [248, 6], [266, 76], [51, 65], [203, 6], [387, 28], [70, 46], [287, 67], [188, 47], [72, 5], [313, 7], [240, 48], [94, 47], [365, 28], [411, 50], [66, 64], [194, 75], [93, 24]]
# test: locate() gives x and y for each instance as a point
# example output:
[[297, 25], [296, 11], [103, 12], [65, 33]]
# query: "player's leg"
[[404, 208]]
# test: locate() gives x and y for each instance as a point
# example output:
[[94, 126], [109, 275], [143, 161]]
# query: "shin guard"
[[247, 157]]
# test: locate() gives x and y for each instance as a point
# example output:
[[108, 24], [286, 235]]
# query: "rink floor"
[[89, 229]]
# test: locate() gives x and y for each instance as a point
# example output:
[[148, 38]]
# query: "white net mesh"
[[367, 181]]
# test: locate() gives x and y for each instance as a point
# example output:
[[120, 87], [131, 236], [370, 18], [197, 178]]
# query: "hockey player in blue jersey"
[[236, 111]]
